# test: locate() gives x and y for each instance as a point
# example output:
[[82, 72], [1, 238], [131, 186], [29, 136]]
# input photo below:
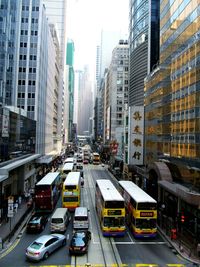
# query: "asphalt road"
[[125, 251]]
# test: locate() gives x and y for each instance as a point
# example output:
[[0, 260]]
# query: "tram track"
[[102, 240]]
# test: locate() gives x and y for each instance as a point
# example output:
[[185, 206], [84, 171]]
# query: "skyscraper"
[[57, 14], [28, 44], [144, 45], [172, 116]]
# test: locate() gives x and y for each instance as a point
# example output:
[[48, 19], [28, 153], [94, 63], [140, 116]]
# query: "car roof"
[[43, 238]]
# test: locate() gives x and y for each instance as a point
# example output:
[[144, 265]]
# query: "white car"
[[43, 246]]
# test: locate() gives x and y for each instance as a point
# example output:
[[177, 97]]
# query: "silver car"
[[43, 246]]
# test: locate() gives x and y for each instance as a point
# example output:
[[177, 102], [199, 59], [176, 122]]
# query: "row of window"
[[23, 82], [31, 57], [29, 108], [31, 70], [34, 8], [22, 95], [25, 32], [33, 20], [24, 44]]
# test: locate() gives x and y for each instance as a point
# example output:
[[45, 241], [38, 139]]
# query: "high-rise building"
[[28, 45], [144, 45], [116, 95], [109, 40], [85, 103], [57, 14], [172, 106], [143, 56], [70, 63]]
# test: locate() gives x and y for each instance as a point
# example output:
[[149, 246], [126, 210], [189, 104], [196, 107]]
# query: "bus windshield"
[[146, 206], [114, 204], [145, 224], [113, 221]]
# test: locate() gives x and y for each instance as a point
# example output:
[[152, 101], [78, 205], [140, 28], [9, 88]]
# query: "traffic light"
[[182, 218]]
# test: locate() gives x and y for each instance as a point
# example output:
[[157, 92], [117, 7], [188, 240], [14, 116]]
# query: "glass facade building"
[[144, 45], [172, 117], [172, 90]]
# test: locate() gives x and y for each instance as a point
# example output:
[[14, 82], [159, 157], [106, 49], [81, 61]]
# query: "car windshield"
[[57, 220], [78, 241], [36, 245], [35, 220]]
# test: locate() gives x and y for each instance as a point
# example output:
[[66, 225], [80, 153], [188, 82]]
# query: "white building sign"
[[136, 135], [5, 123]]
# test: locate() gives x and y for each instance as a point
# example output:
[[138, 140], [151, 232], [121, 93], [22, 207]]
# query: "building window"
[[31, 95], [31, 108]]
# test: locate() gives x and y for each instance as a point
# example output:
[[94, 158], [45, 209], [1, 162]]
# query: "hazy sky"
[[86, 18]]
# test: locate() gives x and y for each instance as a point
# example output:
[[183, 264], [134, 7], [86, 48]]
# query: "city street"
[[102, 251]]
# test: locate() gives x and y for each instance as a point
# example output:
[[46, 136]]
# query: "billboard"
[[136, 135]]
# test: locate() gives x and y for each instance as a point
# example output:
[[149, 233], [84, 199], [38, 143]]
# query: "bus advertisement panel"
[[141, 210], [47, 192], [110, 208], [71, 193]]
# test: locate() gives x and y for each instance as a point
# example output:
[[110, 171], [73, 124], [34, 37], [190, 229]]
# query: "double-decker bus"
[[96, 158], [69, 160], [141, 210], [110, 208], [67, 167], [71, 194], [47, 192]]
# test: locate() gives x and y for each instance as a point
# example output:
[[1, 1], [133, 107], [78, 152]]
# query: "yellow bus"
[[110, 208], [141, 210], [96, 158], [71, 193]]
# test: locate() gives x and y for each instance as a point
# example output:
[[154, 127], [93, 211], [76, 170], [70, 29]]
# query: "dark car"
[[82, 181], [36, 223], [80, 242]]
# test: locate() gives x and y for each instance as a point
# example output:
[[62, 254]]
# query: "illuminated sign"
[[146, 214]]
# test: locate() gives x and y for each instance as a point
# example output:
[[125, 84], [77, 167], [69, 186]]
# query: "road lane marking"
[[10, 249]]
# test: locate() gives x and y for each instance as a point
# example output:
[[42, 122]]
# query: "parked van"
[[60, 220], [81, 218]]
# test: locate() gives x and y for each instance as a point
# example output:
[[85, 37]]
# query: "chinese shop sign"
[[136, 135]]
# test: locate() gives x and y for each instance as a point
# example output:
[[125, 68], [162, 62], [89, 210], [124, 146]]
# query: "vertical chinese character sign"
[[136, 135]]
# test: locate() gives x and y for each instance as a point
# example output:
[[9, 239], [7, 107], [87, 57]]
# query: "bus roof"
[[73, 178], [136, 192], [69, 160], [108, 190], [48, 179], [68, 166]]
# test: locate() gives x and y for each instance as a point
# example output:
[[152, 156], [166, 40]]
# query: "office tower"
[[144, 55], [144, 45], [172, 106], [85, 103], [172, 116], [70, 63], [29, 47], [116, 95], [57, 14], [108, 41]]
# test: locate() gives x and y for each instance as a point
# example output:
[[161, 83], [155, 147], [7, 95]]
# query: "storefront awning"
[[3, 177], [45, 159], [187, 194]]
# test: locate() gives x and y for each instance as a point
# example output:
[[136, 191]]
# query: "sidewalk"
[[11, 229], [181, 248]]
